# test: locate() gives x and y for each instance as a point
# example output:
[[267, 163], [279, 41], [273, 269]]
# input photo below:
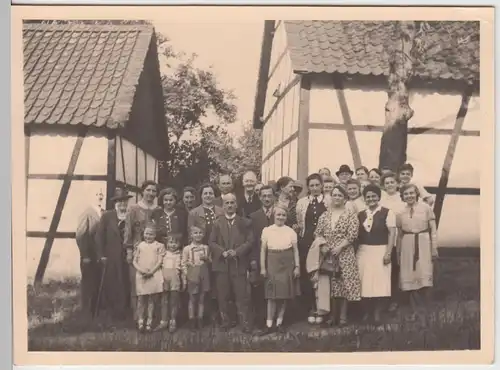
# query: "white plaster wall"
[[460, 222], [366, 105], [129, 150], [64, 260], [50, 154]]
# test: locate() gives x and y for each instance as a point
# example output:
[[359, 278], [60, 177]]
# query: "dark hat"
[[120, 194], [344, 168]]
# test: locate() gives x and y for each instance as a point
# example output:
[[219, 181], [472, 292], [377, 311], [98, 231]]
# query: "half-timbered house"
[[94, 118], [320, 101]]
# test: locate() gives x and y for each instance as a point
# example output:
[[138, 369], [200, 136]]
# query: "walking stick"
[[98, 300]]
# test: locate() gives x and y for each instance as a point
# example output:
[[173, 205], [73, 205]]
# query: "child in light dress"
[[279, 258], [147, 261], [195, 260], [172, 282]]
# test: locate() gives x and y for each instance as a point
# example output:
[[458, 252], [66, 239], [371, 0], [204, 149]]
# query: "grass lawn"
[[451, 323]]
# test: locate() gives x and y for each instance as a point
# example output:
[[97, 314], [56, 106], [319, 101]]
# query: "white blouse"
[[278, 237]]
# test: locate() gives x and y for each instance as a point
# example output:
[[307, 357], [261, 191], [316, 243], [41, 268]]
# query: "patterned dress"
[[345, 284]]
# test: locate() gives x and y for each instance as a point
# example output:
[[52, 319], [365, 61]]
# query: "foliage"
[[198, 114]]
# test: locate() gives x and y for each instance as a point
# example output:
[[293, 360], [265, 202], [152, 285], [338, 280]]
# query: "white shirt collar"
[[319, 197]]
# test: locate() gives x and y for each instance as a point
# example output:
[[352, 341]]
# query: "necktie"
[[411, 212]]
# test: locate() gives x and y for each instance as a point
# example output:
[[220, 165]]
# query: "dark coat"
[[239, 238], [178, 225], [115, 296], [259, 222], [245, 209]]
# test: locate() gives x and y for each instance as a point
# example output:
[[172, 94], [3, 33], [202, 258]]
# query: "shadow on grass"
[[452, 322]]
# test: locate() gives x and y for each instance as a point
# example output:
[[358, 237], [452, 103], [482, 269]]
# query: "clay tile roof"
[[360, 47], [82, 74]]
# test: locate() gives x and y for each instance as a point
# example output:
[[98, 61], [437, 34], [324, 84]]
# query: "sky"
[[231, 50]]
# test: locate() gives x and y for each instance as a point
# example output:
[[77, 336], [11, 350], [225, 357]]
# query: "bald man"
[[225, 186], [230, 243], [248, 200]]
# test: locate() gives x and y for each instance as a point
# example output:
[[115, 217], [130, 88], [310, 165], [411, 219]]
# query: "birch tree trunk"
[[397, 109]]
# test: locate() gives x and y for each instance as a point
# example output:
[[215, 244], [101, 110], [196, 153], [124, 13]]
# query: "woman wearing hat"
[[344, 174], [137, 217], [115, 295]]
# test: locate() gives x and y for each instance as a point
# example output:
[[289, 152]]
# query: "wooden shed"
[[94, 118], [321, 96]]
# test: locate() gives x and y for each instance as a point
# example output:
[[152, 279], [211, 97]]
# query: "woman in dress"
[[138, 216], [207, 212], [170, 219], [328, 185], [406, 177], [339, 227], [309, 209], [355, 199], [417, 240], [374, 176], [391, 199], [189, 198], [377, 232], [362, 174], [279, 260], [287, 199]]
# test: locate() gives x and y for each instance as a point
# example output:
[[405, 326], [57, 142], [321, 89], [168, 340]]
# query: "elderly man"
[[115, 294], [230, 244], [90, 256], [248, 201], [226, 186]]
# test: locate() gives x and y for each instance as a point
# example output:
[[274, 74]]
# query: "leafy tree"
[[194, 101], [416, 43]]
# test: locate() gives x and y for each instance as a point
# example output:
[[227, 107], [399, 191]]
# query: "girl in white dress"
[[148, 256], [279, 260]]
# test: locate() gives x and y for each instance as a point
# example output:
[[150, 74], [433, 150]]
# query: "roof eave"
[[262, 79]]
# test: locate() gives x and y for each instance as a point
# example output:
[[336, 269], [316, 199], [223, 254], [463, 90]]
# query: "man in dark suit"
[[230, 244], [261, 218], [226, 185], [115, 294], [248, 200]]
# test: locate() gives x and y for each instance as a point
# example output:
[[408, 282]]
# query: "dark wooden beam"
[[285, 91], [63, 176], [280, 146], [111, 170], [56, 218], [453, 190], [371, 128], [450, 153], [346, 116], [45, 234], [303, 138], [122, 155], [263, 76]]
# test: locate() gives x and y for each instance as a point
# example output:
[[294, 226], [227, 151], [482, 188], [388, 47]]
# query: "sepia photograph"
[[261, 186]]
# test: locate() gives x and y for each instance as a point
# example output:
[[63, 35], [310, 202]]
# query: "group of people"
[[245, 257]]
